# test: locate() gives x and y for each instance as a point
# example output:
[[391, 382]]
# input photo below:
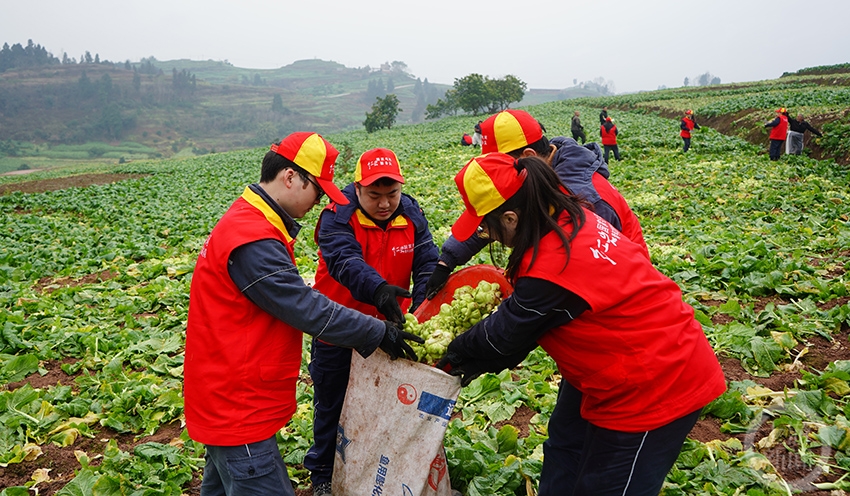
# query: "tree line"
[[475, 94], [18, 56], [704, 79]]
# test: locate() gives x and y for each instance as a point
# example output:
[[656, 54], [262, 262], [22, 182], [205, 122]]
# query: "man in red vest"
[[778, 132], [370, 249], [687, 125], [248, 307], [608, 131]]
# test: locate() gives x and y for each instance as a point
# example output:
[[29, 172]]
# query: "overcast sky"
[[636, 44]]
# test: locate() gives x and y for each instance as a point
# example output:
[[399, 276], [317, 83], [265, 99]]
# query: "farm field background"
[[94, 286]]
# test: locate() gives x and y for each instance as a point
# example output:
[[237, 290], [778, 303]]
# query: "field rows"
[[94, 293]]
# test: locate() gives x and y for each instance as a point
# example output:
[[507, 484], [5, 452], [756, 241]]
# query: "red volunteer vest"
[[629, 223], [637, 355], [779, 131], [686, 133], [608, 137], [389, 252], [241, 363]]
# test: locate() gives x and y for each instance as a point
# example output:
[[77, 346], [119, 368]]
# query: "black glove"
[[386, 301], [394, 345], [469, 368], [437, 280]]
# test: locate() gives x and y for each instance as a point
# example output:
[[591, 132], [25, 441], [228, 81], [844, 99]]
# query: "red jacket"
[[241, 363], [609, 137], [779, 131], [638, 356], [689, 124], [389, 252]]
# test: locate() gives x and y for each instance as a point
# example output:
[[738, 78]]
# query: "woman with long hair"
[[618, 329]]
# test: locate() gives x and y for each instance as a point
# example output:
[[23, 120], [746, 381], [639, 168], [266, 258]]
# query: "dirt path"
[[80, 181]]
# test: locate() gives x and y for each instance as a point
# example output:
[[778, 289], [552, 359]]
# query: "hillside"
[[172, 105], [55, 113]]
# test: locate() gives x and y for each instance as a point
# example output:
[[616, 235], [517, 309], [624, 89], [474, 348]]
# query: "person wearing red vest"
[[687, 125], [369, 251], [582, 170], [248, 307], [617, 328], [778, 132], [608, 132]]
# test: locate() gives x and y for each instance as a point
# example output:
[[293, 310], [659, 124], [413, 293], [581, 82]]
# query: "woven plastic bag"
[[391, 430]]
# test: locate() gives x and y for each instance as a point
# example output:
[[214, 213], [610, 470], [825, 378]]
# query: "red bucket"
[[469, 276]]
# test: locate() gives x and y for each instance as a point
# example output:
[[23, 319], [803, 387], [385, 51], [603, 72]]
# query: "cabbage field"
[[94, 286]]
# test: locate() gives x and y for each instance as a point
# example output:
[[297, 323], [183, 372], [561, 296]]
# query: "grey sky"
[[637, 44]]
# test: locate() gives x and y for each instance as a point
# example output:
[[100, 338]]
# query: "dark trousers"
[[329, 368], [775, 148], [580, 458], [251, 469], [579, 134], [687, 144], [610, 148]]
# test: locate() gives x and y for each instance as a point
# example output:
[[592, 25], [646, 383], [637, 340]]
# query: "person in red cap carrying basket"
[[248, 307], [370, 248], [617, 328], [687, 125], [778, 132], [581, 169]]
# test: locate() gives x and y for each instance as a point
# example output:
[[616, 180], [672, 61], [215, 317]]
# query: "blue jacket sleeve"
[[344, 256], [773, 123], [535, 307], [264, 273], [456, 253]]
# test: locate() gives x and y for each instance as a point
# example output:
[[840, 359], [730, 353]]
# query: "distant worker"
[[687, 125], [476, 137], [608, 132], [798, 128], [603, 115], [577, 129], [779, 129], [466, 140]]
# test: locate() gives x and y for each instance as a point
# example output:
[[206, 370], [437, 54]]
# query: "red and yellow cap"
[[780, 110], [377, 163], [315, 155], [689, 112], [509, 130], [484, 183]]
